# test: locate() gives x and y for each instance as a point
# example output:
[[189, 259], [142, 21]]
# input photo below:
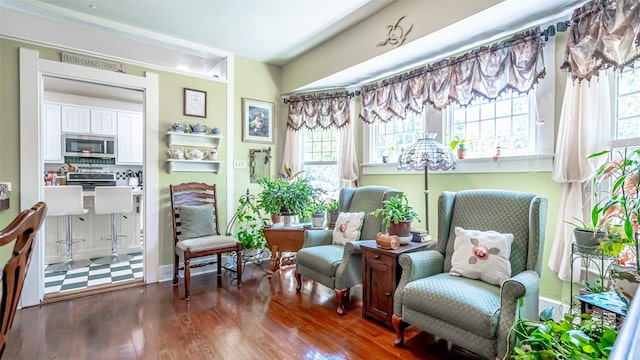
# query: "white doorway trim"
[[32, 70]]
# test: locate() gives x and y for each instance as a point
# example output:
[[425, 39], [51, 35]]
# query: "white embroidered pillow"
[[482, 255], [347, 227]]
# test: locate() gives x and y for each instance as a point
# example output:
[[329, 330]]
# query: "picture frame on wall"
[[257, 121], [195, 103]]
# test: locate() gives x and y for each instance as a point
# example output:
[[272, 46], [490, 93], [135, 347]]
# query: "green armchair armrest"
[[416, 265], [317, 238]]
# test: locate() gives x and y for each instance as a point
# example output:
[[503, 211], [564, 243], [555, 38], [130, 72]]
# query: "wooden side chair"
[[194, 215], [23, 230]]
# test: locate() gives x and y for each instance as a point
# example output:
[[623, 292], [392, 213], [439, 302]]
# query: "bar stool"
[[66, 201], [113, 200]]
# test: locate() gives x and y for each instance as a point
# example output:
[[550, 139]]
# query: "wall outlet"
[[239, 164], [8, 185]]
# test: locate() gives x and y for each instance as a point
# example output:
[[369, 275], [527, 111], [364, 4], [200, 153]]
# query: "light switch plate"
[[239, 164]]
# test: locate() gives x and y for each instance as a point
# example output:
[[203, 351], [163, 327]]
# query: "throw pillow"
[[482, 255], [347, 227], [196, 221]]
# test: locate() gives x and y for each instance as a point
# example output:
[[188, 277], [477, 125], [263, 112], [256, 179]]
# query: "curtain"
[[514, 64], [603, 34], [583, 130], [321, 111]]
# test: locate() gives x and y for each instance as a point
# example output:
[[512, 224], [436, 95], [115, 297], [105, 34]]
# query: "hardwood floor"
[[263, 319]]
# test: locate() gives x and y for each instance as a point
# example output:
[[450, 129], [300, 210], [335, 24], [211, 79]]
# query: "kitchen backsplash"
[[119, 170]]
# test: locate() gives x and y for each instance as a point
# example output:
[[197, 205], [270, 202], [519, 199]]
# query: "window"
[[320, 158], [506, 122], [627, 104], [391, 138]]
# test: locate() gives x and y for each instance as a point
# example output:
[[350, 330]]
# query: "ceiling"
[[272, 31], [276, 31]]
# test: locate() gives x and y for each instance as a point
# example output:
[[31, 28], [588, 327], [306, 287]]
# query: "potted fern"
[[397, 215]]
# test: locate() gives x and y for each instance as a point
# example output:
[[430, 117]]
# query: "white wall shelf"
[[193, 165], [194, 140]]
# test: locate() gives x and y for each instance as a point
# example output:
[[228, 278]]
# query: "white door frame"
[[32, 70]]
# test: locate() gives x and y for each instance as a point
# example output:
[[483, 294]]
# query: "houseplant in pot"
[[246, 226], [287, 197], [397, 216], [318, 213], [616, 185], [333, 210]]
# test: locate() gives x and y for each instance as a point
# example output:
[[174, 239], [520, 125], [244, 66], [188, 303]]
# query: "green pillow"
[[196, 221]]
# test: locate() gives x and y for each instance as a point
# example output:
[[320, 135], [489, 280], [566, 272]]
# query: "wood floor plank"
[[263, 319]]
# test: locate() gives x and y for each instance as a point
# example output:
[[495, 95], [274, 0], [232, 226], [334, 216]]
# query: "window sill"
[[521, 163]]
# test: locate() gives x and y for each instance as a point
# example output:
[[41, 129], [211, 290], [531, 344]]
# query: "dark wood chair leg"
[[219, 268], [176, 266], [299, 282], [399, 326], [239, 264], [341, 295], [187, 278]]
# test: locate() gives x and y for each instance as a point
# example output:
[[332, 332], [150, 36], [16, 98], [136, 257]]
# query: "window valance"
[[513, 64], [603, 34], [319, 110]]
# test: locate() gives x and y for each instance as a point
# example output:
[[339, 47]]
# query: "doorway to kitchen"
[[93, 136], [91, 231]]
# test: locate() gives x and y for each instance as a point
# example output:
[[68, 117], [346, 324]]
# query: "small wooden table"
[[381, 274], [283, 239]]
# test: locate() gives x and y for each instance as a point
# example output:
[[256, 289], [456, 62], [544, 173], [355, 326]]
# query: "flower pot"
[[402, 228], [462, 153], [589, 239], [276, 219], [333, 217], [317, 220], [625, 281]]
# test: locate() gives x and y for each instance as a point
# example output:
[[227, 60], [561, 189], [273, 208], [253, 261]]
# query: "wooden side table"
[[381, 272], [283, 239]]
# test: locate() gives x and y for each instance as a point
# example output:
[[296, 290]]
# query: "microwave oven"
[[89, 146]]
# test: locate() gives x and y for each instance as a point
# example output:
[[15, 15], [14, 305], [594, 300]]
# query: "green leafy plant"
[[596, 287], [458, 142], [616, 185], [396, 209], [575, 337], [293, 197], [333, 205], [249, 225]]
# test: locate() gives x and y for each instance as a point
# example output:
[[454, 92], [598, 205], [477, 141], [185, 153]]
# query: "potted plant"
[[333, 210], [397, 215], [249, 224], [616, 185], [588, 236], [460, 144], [575, 337], [318, 213], [287, 197]]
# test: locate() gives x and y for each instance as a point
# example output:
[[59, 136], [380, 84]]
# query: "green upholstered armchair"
[[336, 266], [470, 313]]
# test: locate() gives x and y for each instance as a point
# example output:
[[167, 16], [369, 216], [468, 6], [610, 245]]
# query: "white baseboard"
[[559, 308]]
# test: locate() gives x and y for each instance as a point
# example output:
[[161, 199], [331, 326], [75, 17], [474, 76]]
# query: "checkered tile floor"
[[61, 281]]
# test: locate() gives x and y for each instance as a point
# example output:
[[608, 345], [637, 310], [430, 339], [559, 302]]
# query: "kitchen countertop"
[[136, 192]]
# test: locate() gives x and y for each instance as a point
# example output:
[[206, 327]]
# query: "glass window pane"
[[628, 103], [396, 135]]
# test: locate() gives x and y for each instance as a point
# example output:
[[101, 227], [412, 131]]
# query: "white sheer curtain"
[[292, 156], [584, 128]]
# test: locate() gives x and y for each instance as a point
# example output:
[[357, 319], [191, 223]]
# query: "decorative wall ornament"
[[259, 164], [396, 35]]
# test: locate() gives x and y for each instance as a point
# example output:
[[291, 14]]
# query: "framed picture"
[[257, 121], [195, 103]]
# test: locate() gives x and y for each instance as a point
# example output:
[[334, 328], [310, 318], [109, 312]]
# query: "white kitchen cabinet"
[[52, 147], [130, 141], [76, 119], [103, 122]]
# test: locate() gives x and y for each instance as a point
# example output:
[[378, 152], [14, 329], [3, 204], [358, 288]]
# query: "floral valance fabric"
[[319, 110], [514, 64], [603, 34]]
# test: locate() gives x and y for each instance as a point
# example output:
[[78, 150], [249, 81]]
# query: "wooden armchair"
[[194, 215], [23, 230]]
